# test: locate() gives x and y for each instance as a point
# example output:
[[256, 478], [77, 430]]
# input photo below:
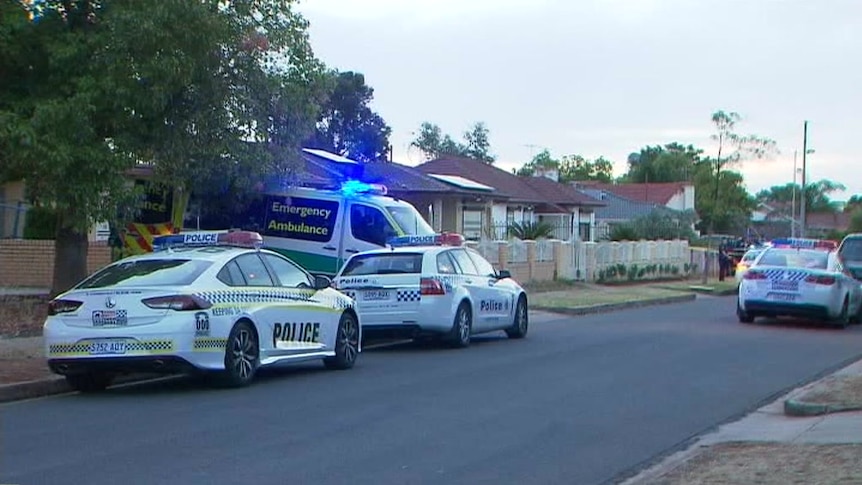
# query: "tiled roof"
[[657, 193], [619, 208], [530, 190]]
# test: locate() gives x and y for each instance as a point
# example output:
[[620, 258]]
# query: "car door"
[[502, 295], [367, 227], [302, 320], [479, 288]]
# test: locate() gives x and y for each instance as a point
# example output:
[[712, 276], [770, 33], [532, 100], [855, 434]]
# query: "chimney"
[[550, 173]]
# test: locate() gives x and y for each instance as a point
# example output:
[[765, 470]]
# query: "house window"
[[472, 224], [584, 231]]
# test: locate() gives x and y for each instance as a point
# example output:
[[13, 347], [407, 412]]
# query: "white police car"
[[794, 278], [211, 302], [433, 285]]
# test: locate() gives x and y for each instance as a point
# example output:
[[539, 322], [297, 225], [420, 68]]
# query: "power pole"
[[804, 175], [793, 200]]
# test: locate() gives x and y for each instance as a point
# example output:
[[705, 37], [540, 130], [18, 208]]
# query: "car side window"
[[369, 224], [464, 262], [287, 273], [445, 265], [253, 270], [231, 275], [484, 267]]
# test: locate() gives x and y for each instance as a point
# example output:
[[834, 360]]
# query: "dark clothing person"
[[723, 264]]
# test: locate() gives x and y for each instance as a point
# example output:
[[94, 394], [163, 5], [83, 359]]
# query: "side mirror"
[[503, 274], [321, 282]]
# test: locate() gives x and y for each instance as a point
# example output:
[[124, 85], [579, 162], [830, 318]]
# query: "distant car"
[[207, 302], [433, 286], [793, 278], [849, 255], [745, 263]]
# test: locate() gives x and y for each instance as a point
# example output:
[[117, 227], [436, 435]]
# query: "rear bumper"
[[804, 310], [122, 365]]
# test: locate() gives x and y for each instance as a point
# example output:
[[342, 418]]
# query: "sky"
[[608, 77]]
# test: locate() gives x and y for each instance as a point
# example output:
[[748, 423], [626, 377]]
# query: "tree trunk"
[[70, 259]]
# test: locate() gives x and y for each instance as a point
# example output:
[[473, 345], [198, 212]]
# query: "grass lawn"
[[596, 295]]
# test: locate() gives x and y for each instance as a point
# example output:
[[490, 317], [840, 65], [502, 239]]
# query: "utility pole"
[[793, 202], [804, 175]]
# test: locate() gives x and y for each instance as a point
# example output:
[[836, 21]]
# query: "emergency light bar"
[[241, 239], [353, 187], [803, 243], [444, 239]]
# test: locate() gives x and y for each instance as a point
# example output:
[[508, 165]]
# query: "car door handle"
[[351, 251], [469, 282], [331, 248]]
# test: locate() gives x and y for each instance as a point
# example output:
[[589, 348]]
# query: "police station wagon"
[[433, 286]]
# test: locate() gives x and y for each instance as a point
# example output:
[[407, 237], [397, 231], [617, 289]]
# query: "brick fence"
[[30, 263]]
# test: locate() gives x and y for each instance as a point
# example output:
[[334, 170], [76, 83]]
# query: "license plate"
[[110, 317], [785, 285], [107, 347], [785, 297], [375, 295]]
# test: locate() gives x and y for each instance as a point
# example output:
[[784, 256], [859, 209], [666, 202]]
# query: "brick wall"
[[30, 263]]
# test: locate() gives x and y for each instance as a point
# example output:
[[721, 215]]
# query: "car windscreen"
[[851, 250], [148, 272], [795, 258], [410, 221], [751, 256], [382, 264]]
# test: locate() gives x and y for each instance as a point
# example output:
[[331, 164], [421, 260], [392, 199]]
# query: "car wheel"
[[744, 316], [90, 381], [857, 317], [522, 320], [346, 344], [242, 356], [844, 317], [462, 327]]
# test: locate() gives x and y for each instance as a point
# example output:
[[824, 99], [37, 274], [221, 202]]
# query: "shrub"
[[531, 231]]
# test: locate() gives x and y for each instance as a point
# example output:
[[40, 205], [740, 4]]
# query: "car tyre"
[[521, 322], [346, 344], [462, 327], [242, 356], [89, 382], [843, 319], [743, 316]]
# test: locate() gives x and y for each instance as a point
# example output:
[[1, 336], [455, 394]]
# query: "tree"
[[673, 162], [853, 203], [347, 125], [571, 168], [816, 196], [659, 224], [434, 144], [203, 91], [732, 211]]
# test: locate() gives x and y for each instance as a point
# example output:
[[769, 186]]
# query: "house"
[[518, 199], [618, 210], [823, 224], [673, 195], [13, 208]]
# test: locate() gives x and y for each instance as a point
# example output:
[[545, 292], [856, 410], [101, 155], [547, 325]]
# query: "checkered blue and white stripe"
[[408, 295], [785, 275], [274, 295]]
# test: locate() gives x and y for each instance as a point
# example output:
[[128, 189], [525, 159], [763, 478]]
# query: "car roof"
[[411, 250], [215, 254]]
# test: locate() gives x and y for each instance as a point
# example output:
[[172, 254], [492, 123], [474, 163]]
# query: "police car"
[[793, 277], [433, 286], [201, 302]]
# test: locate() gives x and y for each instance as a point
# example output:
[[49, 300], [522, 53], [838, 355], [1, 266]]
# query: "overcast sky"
[[607, 77]]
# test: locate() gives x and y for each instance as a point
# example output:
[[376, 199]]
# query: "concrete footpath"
[[772, 424]]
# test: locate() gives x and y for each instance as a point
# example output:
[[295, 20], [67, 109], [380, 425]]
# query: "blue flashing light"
[[245, 239], [351, 188], [804, 243], [445, 239]]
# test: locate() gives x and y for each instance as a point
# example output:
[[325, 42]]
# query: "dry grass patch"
[[836, 390], [22, 316], [602, 295], [770, 464], [23, 370]]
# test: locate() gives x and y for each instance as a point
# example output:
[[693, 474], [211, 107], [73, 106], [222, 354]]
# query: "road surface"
[[582, 400]]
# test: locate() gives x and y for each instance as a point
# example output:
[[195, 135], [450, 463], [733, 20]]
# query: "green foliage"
[[673, 162], [624, 232], [434, 144], [855, 221], [731, 210], [347, 125], [657, 225], [531, 231], [816, 196], [570, 168], [41, 223]]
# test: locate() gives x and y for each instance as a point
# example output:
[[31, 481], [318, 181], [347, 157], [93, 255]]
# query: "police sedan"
[[795, 280], [433, 286], [202, 302]]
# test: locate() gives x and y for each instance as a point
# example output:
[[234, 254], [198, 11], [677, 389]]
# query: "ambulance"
[[320, 229]]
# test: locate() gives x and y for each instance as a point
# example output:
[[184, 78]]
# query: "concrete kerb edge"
[[793, 407], [50, 386], [609, 307]]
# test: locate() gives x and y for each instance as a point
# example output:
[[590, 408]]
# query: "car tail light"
[[430, 286], [754, 275], [820, 279], [177, 302], [63, 306]]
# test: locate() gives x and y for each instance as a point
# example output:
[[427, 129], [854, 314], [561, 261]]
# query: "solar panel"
[[462, 182], [329, 156]]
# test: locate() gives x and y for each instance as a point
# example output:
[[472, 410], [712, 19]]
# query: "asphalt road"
[[582, 400]]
